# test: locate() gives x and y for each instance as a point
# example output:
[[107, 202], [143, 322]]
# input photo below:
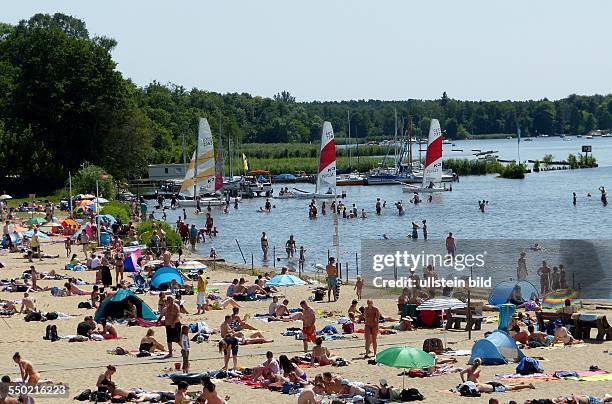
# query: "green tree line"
[[63, 102]]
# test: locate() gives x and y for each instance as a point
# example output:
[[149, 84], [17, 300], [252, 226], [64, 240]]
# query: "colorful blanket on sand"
[[589, 375]]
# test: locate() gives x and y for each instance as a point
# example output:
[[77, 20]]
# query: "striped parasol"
[[556, 299], [441, 304], [192, 266]]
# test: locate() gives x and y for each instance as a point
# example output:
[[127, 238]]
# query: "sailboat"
[[326, 175], [432, 173], [200, 178]]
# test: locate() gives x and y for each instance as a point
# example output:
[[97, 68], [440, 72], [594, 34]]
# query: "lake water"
[[538, 207]]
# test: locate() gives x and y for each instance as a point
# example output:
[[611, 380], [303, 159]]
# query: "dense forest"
[[63, 103]]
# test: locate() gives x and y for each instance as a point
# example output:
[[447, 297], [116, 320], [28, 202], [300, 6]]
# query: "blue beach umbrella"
[[285, 281]]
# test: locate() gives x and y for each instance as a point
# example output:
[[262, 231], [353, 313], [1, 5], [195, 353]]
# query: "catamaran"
[[432, 173], [201, 178], [325, 187]]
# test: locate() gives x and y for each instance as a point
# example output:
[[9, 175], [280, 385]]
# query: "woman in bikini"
[[72, 289], [321, 354], [149, 344], [28, 374], [473, 372], [107, 330], [106, 385], [292, 373]]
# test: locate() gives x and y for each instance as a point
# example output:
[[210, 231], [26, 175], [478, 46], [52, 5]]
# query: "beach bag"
[[528, 366], [348, 328], [433, 345], [84, 395], [417, 373], [319, 295], [33, 316], [411, 394], [290, 388], [52, 315], [84, 305]]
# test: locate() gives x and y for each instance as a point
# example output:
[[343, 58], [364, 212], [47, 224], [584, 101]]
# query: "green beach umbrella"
[[405, 357], [36, 221]]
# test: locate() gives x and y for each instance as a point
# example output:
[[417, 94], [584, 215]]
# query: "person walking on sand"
[[332, 279], [544, 274], [171, 314], [372, 318], [521, 267], [201, 296], [84, 240], [309, 329], [264, 245]]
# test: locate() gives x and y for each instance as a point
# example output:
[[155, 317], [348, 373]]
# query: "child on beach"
[[358, 287], [185, 348]]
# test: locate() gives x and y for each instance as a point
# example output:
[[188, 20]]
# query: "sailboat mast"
[[195, 168], [348, 115], [410, 141], [397, 162], [231, 157]]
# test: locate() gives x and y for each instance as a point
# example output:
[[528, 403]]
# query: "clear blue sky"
[[354, 49]]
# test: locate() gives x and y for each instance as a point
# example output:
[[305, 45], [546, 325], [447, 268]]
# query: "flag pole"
[[518, 144], [70, 192]]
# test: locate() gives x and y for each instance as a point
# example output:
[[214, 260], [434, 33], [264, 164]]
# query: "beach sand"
[[79, 364]]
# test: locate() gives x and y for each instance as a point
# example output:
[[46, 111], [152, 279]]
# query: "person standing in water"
[[302, 258], [290, 246], [264, 245], [450, 245], [604, 195], [415, 230], [378, 206], [424, 227], [574, 198]]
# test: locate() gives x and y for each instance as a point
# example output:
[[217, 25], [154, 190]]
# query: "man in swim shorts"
[[332, 279], [309, 329]]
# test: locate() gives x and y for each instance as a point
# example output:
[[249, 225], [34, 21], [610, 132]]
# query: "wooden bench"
[[455, 317], [583, 327], [545, 316]]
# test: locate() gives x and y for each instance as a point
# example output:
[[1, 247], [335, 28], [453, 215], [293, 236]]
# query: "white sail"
[[326, 178], [432, 173], [201, 169]]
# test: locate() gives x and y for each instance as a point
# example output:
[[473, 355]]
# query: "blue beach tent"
[[506, 291], [498, 348], [113, 306], [163, 276]]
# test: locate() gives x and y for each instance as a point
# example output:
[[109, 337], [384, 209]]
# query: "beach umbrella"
[[442, 304], [36, 221], [69, 223], [107, 217], [192, 266], [285, 281], [556, 299], [405, 357], [5, 197], [42, 236], [100, 200]]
